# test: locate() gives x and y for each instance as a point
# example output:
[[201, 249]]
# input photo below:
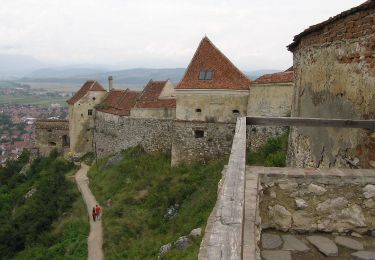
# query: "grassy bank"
[[142, 187], [272, 154], [42, 215]]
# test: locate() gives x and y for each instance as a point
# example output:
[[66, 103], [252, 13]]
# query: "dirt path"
[[95, 240]]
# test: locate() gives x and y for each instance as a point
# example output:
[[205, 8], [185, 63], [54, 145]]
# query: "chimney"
[[110, 79]]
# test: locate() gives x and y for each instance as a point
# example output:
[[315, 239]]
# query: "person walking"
[[98, 212], [93, 213]]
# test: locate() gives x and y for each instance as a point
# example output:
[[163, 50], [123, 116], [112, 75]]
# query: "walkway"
[[95, 240]]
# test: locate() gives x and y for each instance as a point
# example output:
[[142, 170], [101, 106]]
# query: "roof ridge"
[[230, 62]]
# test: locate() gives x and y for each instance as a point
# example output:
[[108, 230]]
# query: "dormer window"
[[206, 74]]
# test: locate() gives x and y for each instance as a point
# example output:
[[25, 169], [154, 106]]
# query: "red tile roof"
[[90, 85], [119, 102], [297, 39], [225, 74], [280, 77], [150, 96]]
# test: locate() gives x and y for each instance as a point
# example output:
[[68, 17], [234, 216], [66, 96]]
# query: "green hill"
[[142, 187], [42, 215]]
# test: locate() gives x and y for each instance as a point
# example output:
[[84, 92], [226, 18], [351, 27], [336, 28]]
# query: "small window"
[[88, 129], [51, 143], [81, 115], [206, 75], [198, 110], [49, 130], [89, 112], [94, 98], [236, 112], [202, 74], [198, 133]]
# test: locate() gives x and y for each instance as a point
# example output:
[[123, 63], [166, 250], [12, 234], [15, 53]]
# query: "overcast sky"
[[162, 33]]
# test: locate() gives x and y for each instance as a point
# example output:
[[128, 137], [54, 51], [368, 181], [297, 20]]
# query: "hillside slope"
[[142, 189], [42, 215]]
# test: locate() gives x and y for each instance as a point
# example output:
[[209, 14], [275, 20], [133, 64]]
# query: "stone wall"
[[273, 99], [162, 113], [335, 78], [51, 134], [81, 123], [300, 200], [115, 133], [201, 141]]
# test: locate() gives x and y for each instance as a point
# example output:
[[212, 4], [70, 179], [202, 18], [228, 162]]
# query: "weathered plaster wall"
[[216, 142], [270, 99], [166, 113], [215, 106], [168, 91], [81, 124], [274, 99], [115, 133], [52, 134], [334, 78]]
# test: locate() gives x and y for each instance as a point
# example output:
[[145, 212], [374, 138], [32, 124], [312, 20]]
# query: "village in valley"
[[214, 166]]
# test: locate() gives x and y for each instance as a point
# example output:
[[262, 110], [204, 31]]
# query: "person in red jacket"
[[98, 211], [93, 213]]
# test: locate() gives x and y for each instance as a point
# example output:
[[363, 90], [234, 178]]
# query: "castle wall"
[[215, 141], [273, 99], [115, 133], [52, 134], [215, 106], [81, 123], [162, 113], [335, 78]]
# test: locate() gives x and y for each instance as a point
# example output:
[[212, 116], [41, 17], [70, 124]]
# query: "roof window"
[[206, 74]]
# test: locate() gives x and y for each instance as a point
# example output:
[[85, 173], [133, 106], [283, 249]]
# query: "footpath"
[[95, 240]]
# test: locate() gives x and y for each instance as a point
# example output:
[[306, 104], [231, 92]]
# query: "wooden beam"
[[310, 122]]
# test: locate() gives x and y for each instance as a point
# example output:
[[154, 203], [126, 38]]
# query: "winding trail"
[[95, 240]]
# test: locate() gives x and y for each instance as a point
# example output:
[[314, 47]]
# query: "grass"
[[68, 237], [272, 154], [27, 100], [142, 187]]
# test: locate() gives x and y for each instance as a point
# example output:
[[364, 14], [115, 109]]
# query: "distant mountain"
[[12, 65], [62, 72], [257, 73], [132, 77]]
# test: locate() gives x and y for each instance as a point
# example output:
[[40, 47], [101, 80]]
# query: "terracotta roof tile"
[[280, 77], [297, 39], [90, 85], [119, 102], [150, 96], [225, 74]]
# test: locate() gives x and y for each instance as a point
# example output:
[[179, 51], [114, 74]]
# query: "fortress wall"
[[214, 142], [335, 78], [115, 133], [272, 99], [52, 134], [166, 113]]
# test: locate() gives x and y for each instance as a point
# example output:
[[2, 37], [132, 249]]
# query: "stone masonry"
[[115, 133], [51, 134], [334, 65]]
